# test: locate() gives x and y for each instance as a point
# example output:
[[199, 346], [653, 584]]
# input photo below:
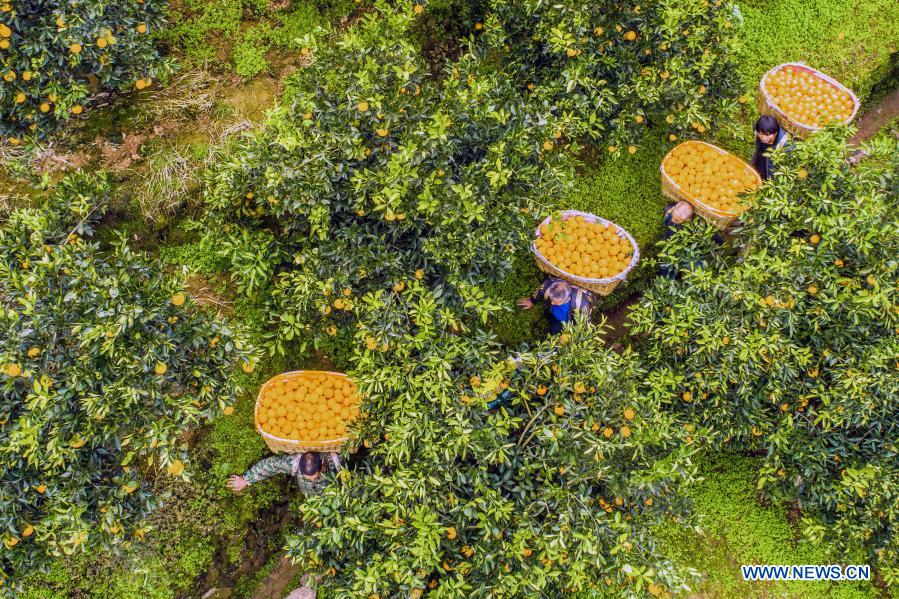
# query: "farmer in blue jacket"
[[562, 301]]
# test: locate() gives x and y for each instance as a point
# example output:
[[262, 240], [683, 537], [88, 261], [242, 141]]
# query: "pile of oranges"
[[308, 406], [806, 98], [583, 248], [716, 179]]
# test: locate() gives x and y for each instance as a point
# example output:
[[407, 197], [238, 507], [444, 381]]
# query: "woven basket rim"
[[297, 444], [856, 104], [622, 232], [689, 197]]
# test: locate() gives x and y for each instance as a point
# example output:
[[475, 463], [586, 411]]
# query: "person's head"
[[682, 212], [766, 129], [310, 465], [559, 293]]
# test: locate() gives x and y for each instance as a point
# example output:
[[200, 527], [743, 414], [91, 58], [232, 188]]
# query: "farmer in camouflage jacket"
[[306, 468]]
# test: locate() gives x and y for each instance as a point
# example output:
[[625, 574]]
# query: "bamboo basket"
[[721, 219], [767, 106], [280, 445], [598, 286]]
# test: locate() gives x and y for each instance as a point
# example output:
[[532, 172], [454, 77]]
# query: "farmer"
[[768, 134], [562, 300], [305, 467], [675, 217]]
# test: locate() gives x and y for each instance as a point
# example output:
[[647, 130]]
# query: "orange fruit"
[[710, 177], [807, 98], [584, 248], [309, 406]]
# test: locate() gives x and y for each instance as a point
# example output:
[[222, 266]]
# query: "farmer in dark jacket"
[[562, 301], [768, 134]]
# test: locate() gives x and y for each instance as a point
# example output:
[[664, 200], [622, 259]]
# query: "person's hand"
[[525, 303], [236, 483]]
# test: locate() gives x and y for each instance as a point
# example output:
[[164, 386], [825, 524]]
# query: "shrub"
[[621, 67], [790, 347], [54, 55], [557, 492], [105, 361], [373, 174]]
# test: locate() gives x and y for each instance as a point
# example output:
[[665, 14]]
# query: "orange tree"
[[789, 347], [373, 173], [555, 492], [53, 55], [104, 361], [620, 67]]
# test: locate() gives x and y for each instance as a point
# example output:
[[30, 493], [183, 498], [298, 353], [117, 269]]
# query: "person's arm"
[[540, 293], [269, 467], [537, 296], [335, 462]]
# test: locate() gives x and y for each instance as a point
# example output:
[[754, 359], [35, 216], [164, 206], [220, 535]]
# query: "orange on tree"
[[72, 44]]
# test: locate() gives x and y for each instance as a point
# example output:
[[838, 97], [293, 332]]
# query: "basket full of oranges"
[[306, 410], [804, 100], [585, 250], [710, 178]]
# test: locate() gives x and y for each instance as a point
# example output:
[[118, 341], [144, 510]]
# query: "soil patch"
[[276, 584], [871, 122]]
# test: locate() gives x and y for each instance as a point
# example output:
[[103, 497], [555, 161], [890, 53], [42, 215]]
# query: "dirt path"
[[275, 585], [871, 121], [617, 319]]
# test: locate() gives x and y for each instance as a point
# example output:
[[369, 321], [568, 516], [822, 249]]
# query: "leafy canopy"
[[621, 67], [373, 173], [790, 346], [555, 492], [104, 361], [53, 55]]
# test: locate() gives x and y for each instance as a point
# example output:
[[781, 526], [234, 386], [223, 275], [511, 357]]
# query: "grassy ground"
[[847, 39], [248, 36], [735, 529]]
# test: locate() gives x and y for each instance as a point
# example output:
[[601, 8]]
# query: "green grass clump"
[[736, 528], [849, 40], [218, 31], [191, 28]]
